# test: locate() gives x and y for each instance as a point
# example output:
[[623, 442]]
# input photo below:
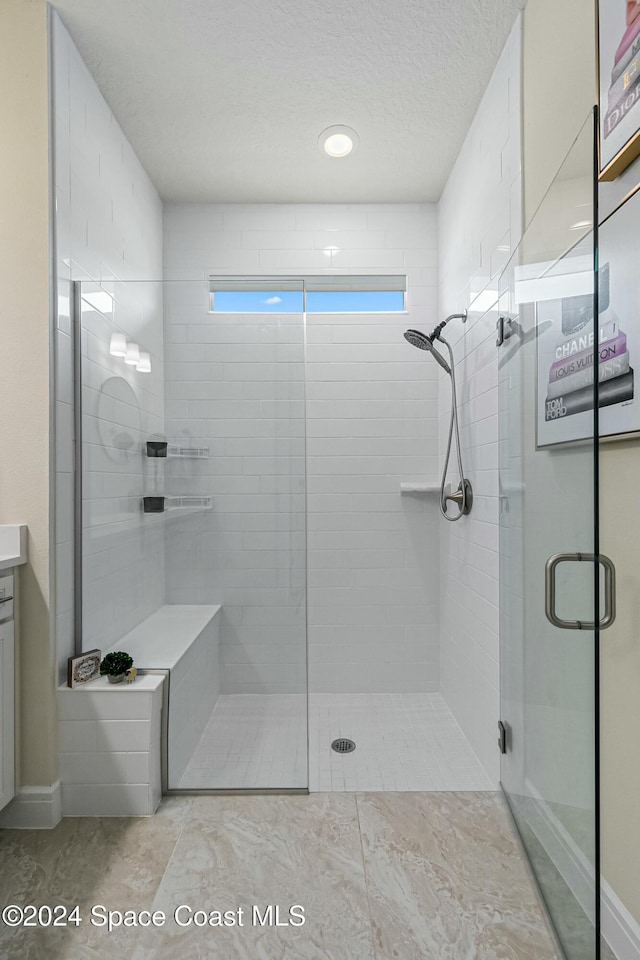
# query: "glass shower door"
[[191, 523], [548, 538]]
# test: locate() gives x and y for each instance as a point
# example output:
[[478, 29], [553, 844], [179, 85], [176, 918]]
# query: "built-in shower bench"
[[168, 639], [182, 639], [111, 739]]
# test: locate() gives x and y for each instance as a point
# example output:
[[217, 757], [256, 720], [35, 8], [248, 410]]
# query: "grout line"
[[185, 822], [356, 796], [140, 931]]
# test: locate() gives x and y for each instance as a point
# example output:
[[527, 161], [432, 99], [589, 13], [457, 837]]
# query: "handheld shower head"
[[420, 340], [463, 497]]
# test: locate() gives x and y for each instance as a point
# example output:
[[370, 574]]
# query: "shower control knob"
[[463, 499], [456, 497]]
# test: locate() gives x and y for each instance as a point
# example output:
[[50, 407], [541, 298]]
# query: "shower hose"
[[464, 505]]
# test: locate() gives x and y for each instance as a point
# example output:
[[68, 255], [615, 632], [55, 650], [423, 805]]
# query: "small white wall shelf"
[[422, 488], [162, 449], [188, 453], [189, 503], [163, 504]]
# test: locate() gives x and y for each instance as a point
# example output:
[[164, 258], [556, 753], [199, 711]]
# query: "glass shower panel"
[[193, 522], [548, 502], [119, 556]]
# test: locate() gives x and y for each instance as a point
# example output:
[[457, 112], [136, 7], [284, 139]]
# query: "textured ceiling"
[[224, 100]]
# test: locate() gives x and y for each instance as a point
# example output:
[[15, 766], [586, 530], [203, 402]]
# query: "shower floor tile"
[[404, 742], [251, 742]]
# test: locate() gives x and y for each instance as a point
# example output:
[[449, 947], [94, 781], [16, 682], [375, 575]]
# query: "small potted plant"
[[115, 665]]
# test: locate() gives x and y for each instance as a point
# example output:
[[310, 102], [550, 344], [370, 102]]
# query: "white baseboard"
[[33, 808], [619, 928]]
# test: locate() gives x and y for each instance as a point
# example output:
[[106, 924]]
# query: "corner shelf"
[[421, 488]]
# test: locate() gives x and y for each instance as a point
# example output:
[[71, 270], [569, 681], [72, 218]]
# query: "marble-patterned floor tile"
[[241, 851], [117, 862], [446, 879], [575, 929], [442, 877]]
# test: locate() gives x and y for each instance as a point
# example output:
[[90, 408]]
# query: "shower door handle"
[[550, 591]]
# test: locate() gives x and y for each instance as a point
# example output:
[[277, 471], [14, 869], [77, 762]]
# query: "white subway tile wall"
[[109, 737], [235, 387], [480, 223], [108, 227], [398, 600], [123, 550], [238, 383]]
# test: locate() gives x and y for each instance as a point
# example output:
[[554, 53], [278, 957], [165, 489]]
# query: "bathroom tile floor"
[[408, 741], [382, 876], [404, 741], [251, 741]]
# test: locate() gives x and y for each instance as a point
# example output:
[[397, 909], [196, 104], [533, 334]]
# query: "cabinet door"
[[7, 742]]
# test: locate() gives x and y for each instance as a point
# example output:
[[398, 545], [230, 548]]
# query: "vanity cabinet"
[[7, 681]]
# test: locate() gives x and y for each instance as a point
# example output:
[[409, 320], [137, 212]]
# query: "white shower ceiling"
[[224, 100]]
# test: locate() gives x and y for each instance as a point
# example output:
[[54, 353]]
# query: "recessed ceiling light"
[[338, 141]]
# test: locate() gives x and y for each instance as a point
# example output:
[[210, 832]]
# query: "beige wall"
[[558, 91], [24, 362], [620, 667], [559, 87]]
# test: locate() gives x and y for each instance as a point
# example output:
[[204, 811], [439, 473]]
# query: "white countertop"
[[13, 544]]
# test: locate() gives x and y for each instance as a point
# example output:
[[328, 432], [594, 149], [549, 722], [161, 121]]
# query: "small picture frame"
[[83, 668]]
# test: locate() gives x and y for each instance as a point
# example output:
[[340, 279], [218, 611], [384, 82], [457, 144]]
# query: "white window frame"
[[310, 283]]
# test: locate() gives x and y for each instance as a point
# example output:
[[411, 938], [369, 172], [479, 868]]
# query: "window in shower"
[[313, 294], [256, 297]]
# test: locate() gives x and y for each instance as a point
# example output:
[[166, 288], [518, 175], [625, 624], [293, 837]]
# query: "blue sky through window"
[[257, 301], [318, 301], [355, 301]]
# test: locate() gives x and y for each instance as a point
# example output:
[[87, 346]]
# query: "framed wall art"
[[618, 85], [565, 344]]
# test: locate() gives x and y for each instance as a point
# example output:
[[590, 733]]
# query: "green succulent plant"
[[115, 663]]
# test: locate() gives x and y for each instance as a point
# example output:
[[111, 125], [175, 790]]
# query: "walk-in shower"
[[463, 495], [242, 527]]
